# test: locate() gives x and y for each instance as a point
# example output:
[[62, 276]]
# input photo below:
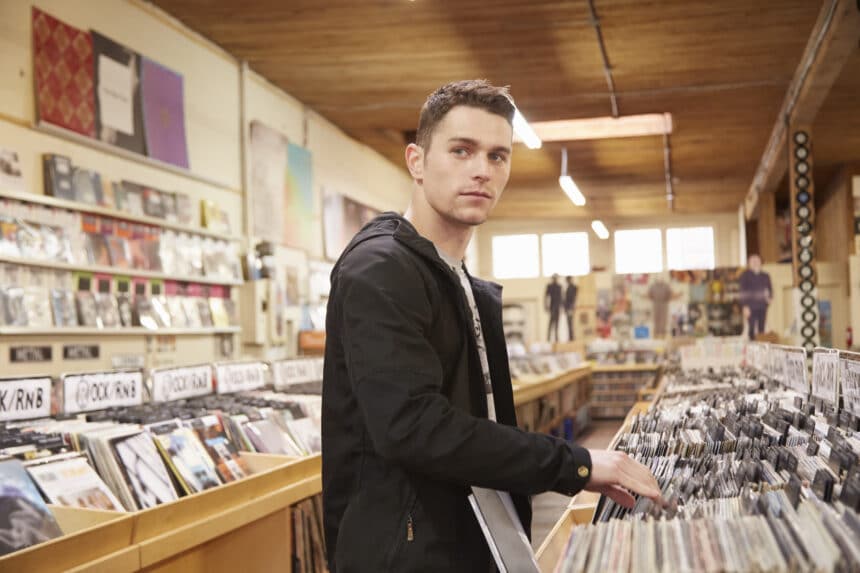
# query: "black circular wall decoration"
[[805, 255], [806, 286], [802, 182], [800, 137], [801, 152], [802, 167], [805, 272], [804, 228], [809, 316], [807, 331], [803, 212], [807, 301]]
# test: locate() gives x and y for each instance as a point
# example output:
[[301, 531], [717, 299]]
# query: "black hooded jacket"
[[404, 415]]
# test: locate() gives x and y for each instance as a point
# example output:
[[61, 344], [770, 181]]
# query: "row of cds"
[[92, 240], [753, 477], [526, 366], [135, 458]]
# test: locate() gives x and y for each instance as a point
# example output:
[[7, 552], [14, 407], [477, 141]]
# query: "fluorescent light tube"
[[600, 229], [571, 190], [524, 132], [643, 125]]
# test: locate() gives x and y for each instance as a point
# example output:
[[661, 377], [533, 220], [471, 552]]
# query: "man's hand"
[[746, 312], [615, 475]]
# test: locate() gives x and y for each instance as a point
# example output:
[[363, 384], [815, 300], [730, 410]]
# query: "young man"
[[570, 305], [417, 399], [552, 304]]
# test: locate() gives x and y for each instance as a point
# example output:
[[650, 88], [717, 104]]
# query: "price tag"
[[240, 376], [796, 372], [100, 390], [825, 374], [25, 398], [179, 383], [849, 363], [289, 372]]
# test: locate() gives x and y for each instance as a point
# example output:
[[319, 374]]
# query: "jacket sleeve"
[[396, 377]]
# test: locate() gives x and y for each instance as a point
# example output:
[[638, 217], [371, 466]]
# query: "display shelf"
[[103, 269], [525, 392], [98, 145], [130, 331], [50, 201], [597, 368]]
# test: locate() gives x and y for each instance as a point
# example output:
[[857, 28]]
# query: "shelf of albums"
[[189, 468], [759, 466], [92, 255], [620, 373]]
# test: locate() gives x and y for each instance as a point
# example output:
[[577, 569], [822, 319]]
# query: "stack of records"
[[24, 518]]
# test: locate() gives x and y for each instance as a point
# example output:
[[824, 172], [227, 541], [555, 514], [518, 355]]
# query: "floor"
[[547, 508]]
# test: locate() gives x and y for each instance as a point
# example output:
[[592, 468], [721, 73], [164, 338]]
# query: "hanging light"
[[600, 229], [524, 132], [567, 183]]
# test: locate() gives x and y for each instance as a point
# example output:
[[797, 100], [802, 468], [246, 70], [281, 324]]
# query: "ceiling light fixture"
[[600, 229], [641, 125], [524, 133], [567, 184]]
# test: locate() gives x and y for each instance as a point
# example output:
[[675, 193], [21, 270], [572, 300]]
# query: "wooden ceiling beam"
[[833, 41]]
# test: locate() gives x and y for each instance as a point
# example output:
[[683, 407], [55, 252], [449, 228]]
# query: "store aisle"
[[547, 508]]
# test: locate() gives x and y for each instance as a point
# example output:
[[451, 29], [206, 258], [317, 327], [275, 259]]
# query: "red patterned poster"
[[63, 70]]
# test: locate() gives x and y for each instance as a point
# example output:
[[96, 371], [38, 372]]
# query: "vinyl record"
[[803, 197], [807, 331], [803, 212], [807, 301], [802, 182], [801, 137], [804, 228], [804, 255], [801, 152], [809, 316], [802, 167], [806, 286]]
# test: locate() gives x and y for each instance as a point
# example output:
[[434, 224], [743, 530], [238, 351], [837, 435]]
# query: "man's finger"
[[620, 496], [638, 481]]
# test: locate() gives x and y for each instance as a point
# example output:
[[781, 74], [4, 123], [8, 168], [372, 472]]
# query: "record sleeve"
[[63, 305], [164, 113], [13, 305], [87, 186], [162, 313], [97, 249], [37, 304], [30, 241], [182, 449], [132, 194], [306, 434], [9, 237], [220, 318], [228, 462], [25, 520], [192, 312], [119, 252], [144, 470], [73, 483], [144, 314], [63, 74], [88, 314], [108, 309], [184, 209], [267, 437], [58, 176], [126, 314], [503, 531], [119, 115], [205, 313], [153, 203], [177, 312], [169, 200], [11, 178]]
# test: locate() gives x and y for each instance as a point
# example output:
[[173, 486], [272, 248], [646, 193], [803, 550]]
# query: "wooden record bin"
[[242, 526]]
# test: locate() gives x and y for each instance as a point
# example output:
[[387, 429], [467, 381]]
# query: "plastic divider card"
[[825, 374], [288, 372], [795, 371], [25, 398], [849, 375], [240, 376], [180, 383], [99, 390]]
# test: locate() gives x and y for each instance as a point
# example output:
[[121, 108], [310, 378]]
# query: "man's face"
[[467, 166], [755, 263]]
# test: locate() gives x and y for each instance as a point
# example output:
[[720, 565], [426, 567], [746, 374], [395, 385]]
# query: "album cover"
[[132, 198], [268, 438], [162, 314], [87, 186], [126, 315], [144, 314], [182, 449], [108, 309], [144, 470], [118, 250], [88, 314], [228, 462], [57, 171], [119, 115], [164, 113], [63, 305], [214, 218], [192, 312], [55, 244], [73, 483], [170, 212], [37, 304], [306, 434], [11, 178], [15, 313], [220, 318], [63, 74], [25, 520], [184, 209], [9, 237], [153, 203], [232, 314], [205, 313], [176, 311], [98, 252], [30, 241]]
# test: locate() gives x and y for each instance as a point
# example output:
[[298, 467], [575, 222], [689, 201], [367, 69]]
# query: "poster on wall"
[[163, 99], [119, 113], [299, 198], [342, 219], [713, 299], [268, 180], [11, 178], [63, 73]]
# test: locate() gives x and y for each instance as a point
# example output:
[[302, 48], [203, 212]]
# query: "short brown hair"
[[473, 93]]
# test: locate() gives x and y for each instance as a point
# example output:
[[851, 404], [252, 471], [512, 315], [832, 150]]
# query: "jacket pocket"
[[404, 533]]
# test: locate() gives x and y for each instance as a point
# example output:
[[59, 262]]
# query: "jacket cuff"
[[579, 474]]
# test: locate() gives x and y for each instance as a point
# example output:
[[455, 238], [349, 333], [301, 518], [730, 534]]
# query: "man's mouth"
[[483, 194]]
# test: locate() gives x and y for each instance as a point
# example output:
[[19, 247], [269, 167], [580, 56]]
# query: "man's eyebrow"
[[475, 143]]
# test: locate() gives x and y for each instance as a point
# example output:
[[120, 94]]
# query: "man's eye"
[[498, 157], [460, 151]]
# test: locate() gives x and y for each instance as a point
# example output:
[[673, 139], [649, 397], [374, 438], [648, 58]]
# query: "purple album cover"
[[164, 113]]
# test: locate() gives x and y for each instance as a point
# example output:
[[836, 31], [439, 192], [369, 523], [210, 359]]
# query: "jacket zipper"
[[410, 530]]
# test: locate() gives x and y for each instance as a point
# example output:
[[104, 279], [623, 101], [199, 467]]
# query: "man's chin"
[[471, 217]]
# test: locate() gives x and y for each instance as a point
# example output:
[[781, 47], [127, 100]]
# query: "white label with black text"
[[180, 383], [25, 398], [288, 372], [240, 377], [825, 375], [851, 385], [100, 390], [796, 373]]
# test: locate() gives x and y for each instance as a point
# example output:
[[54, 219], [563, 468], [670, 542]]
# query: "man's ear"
[[415, 162]]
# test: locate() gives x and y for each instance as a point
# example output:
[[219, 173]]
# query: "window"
[[690, 248], [638, 251], [565, 254], [515, 256]]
